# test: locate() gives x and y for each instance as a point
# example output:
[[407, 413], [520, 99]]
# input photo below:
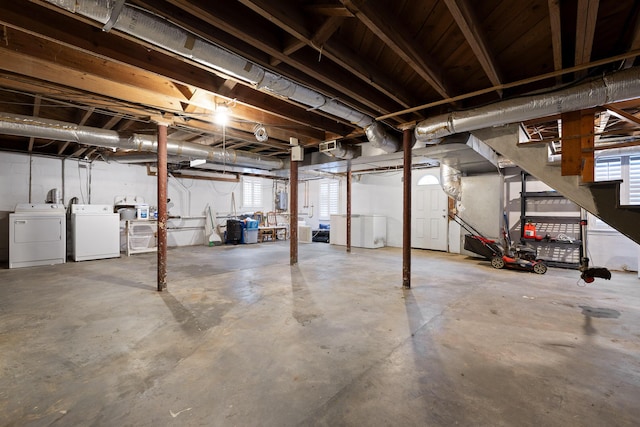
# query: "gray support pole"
[[406, 212], [162, 207]]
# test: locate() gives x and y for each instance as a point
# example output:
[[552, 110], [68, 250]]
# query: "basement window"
[[625, 168], [634, 180], [329, 198], [251, 193]]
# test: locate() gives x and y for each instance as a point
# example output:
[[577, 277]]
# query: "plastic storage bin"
[[250, 235], [140, 241]]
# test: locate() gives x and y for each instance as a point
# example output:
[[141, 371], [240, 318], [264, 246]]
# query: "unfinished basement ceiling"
[[378, 59]]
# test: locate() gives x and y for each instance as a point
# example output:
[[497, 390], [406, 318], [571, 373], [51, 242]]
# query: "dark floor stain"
[[604, 313], [195, 320]]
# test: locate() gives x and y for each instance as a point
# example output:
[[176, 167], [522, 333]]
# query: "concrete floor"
[[243, 339]]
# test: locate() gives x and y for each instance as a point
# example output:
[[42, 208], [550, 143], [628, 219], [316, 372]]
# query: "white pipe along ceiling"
[[168, 36]]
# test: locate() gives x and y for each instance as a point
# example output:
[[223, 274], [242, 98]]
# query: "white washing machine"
[[37, 235], [95, 232]]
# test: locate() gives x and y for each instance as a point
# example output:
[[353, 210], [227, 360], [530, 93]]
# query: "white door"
[[429, 218]]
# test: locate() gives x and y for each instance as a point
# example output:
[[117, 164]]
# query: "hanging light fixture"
[[222, 114]]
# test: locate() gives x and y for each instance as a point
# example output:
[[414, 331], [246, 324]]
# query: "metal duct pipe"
[[451, 181], [18, 125], [166, 35], [380, 139], [616, 87], [140, 158], [343, 151]]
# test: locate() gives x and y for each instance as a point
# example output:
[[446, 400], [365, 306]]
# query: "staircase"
[[601, 199]]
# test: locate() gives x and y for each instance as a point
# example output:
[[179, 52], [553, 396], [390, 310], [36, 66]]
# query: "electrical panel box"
[[281, 200], [297, 153]]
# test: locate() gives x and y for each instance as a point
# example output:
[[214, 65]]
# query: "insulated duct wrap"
[[451, 181], [339, 109], [17, 125], [166, 35], [616, 87], [343, 151], [380, 139]]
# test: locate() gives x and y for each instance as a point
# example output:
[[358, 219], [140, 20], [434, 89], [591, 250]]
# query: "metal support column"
[[162, 207], [293, 218], [406, 210], [349, 206]]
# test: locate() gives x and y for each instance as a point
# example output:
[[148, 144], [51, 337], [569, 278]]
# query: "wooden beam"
[[329, 10], [85, 116], [74, 33], [78, 151], [292, 46], [265, 43], [571, 161], [326, 30], [468, 24], [64, 57], [291, 21], [577, 153], [70, 98], [586, 144], [386, 29], [566, 137], [329, 26], [635, 45], [556, 35], [90, 152], [519, 83], [124, 125], [585, 30], [112, 122], [622, 115], [63, 147], [52, 72]]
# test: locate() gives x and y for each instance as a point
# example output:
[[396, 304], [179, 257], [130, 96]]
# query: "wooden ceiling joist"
[[585, 29], [386, 30], [469, 26]]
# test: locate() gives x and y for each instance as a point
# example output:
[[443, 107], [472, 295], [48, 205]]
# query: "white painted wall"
[[481, 205], [309, 202], [188, 197], [381, 194]]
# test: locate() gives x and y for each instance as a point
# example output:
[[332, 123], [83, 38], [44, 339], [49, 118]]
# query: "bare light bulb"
[[222, 114]]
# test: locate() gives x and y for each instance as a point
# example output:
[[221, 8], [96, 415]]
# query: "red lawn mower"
[[510, 256]]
